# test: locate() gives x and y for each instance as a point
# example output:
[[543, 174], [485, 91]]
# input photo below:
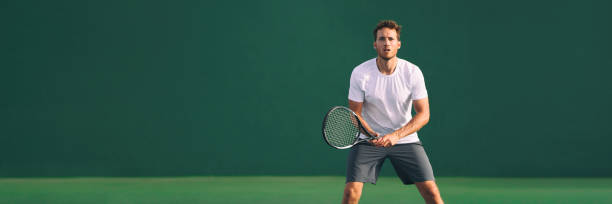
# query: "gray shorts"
[[409, 161]]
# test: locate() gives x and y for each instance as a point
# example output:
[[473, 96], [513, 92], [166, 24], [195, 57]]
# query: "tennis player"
[[382, 92]]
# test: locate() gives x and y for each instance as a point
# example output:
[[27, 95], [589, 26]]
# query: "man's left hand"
[[386, 141]]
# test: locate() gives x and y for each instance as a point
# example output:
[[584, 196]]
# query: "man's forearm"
[[366, 126], [416, 123]]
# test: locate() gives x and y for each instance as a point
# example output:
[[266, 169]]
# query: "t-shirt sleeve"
[[356, 93], [418, 85]]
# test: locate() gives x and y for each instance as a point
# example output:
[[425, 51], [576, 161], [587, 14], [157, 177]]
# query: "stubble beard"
[[386, 58]]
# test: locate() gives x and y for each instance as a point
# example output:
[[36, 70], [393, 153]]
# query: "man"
[[382, 92]]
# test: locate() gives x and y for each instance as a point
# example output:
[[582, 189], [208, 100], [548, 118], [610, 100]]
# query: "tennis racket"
[[341, 128]]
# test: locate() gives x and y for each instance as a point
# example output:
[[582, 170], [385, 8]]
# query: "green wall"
[[171, 88]]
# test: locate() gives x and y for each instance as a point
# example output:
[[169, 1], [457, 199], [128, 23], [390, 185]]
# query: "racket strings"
[[341, 128]]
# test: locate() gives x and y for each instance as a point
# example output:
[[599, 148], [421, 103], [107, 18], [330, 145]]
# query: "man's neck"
[[386, 67]]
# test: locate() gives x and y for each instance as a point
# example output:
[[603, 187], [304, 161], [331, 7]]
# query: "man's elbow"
[[425, 118]]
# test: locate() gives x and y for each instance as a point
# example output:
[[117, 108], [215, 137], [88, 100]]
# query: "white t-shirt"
[[387, 99]]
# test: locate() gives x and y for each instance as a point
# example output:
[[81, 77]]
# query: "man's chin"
[[386, 58]]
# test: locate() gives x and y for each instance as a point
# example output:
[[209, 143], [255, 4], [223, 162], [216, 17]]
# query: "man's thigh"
[[411, 163], [364, 163]]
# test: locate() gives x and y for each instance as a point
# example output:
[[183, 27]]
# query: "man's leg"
[[363, 164], [352, 192], [429, 191]]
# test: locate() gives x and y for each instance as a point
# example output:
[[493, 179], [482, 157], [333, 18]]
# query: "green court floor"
[[272, 189]]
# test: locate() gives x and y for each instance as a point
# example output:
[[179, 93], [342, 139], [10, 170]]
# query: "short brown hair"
[[388, 24]]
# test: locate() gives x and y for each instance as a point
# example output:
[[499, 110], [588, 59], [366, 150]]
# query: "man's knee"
[[429, 191], [430, 194], [352, 191]]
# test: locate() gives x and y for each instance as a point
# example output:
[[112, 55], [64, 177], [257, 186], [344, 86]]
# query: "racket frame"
[[362, 129]]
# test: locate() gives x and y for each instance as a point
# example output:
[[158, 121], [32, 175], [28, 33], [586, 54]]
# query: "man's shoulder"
[[365, 66], [407, 65]]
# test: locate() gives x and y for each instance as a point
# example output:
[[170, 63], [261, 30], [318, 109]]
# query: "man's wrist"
[[397, 135]]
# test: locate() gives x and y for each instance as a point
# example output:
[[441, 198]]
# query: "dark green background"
[[171, 88]]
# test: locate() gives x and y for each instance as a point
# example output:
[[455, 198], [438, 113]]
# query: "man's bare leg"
[[352, 192], [429, 191]]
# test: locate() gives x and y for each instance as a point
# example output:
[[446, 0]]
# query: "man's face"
[[386, 43]]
